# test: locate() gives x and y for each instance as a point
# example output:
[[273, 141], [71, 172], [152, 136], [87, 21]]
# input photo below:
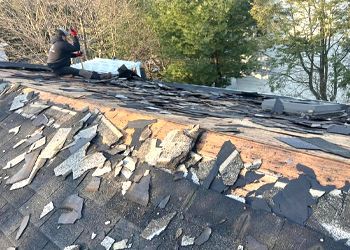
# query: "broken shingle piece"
[[146, 133], [56, 143], [176, 146], [22, 227], [19, 101], [66, 166], [15, 161], [295, 200], [129, 163], [227, 151], [15, 130], [103, 170], [339, 129], [110, 134], [123, 244], [149, 152], [107, 242], [231, 168], [298, 143], [187, 241], [47, 209], [95, 160], [33, 109], [72, 247], [74, 204], [203, 237], [38, 164], [39, 143], [204, 168], [125, 186], [25, 171], [40, 120], [139, 192], [156, 227], [126, 173], [164, 202]]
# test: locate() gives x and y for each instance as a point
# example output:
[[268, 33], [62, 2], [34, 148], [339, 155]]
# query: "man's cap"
[[62, 32]]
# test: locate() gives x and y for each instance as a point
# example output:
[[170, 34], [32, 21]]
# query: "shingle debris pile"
[[81, 185]]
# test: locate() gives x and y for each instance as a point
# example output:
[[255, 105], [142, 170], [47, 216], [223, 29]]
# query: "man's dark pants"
[[77, 72]]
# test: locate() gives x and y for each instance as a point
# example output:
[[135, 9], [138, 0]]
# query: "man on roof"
[[61, 52]]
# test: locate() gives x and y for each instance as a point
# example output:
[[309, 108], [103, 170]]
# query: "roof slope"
[[136, 172]]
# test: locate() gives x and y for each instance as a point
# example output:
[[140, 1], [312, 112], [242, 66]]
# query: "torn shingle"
[[294, 200], [298, 143], [178, 233], [227, 151], [34, 109], [339, 129], [23, 226], [146, 133], [106, 168], [125, 186], [72, 247], [231, 168], [47, 209], [255, 165], [204, 168], [19, 101], [107, 242], [38, 164], [109, 133], [176, 146], [15, 130], [149, 152], [164, 202], [203, 237], [95, 160], [25, 171], [56, 143], [66, 167], [187, 241], [39, 143], [139, 192], [74, 205], [15, 161], [328, 146], [126, 173], [123, 244], [156, 227], [129, 163], [40, 120]]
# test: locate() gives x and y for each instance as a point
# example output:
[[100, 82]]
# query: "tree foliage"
[[107, 28], [206, 41], [309, 43]]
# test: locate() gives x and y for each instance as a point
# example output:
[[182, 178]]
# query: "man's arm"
[[76, 45], [76, 54], [72, 47]]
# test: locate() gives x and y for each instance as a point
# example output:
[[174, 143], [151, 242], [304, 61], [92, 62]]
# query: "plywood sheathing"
[[276, 160]]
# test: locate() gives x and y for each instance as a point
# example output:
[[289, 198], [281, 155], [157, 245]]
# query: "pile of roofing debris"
[[94, 145]]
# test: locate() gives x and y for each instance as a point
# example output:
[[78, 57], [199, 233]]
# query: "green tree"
[[308, 42], [205, 41]]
